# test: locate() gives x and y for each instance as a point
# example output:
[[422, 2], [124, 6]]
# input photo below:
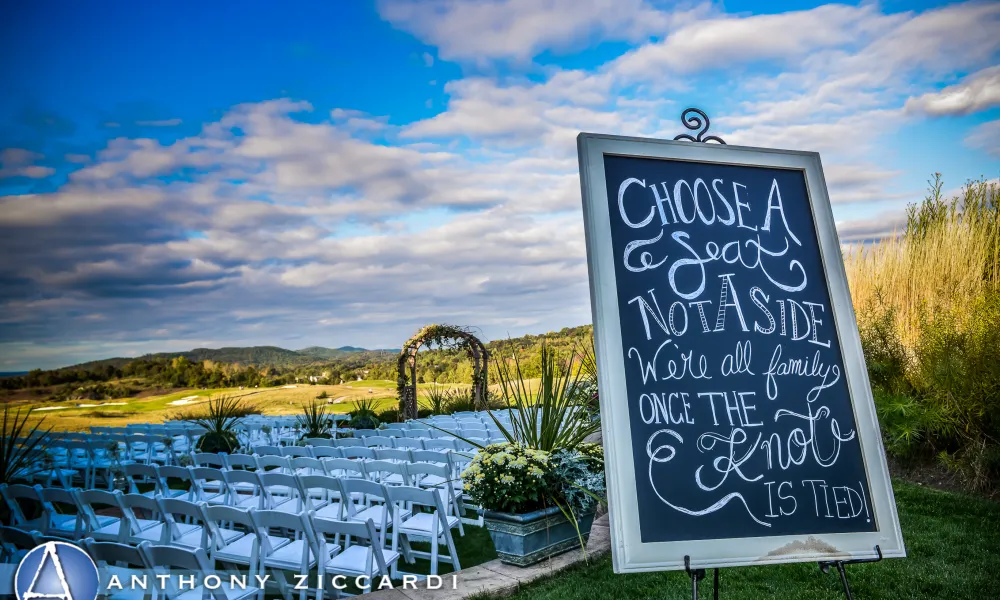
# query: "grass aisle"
[[953, 551]]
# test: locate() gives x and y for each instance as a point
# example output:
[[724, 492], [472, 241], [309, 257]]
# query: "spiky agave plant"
[[21, 447], [315, 420], [363, 416], [437, 399], [219, 417], [548, 418]]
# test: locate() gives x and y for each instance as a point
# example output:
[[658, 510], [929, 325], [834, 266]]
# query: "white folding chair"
[[435, 477], [434, 526], [13, 494], [99, 526], [282, 492], [365, 500], [387, 472], [208, 485], [164, 558], [299, 555], [243, 551], [362, 554], [154, 529], [57, 522], [323, 495], [121, 561], [244, 489], [358, 452]]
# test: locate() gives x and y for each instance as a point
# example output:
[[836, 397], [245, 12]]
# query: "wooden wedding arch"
[[448, 336]]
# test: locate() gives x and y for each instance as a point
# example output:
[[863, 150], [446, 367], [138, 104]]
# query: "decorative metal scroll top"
[[696, 120]]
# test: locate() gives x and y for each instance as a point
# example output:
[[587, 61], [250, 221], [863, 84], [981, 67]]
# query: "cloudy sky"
[[190, 174]]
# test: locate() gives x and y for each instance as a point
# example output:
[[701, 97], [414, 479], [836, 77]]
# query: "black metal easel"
[[825, 567], [697, 575], [695, 119]]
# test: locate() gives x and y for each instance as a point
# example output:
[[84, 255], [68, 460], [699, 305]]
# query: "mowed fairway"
[[79, 415]]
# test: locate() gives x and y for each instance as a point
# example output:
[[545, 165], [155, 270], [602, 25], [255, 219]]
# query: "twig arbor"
[[442, 336]]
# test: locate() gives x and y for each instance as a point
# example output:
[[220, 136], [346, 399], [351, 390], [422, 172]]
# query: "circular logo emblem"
[[56, 571]]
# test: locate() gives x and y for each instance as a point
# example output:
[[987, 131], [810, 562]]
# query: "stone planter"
[[526, 539]]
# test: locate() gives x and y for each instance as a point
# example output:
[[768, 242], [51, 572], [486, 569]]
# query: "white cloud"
[[985, 137], [17, 162], [975, 93], [478, 30]]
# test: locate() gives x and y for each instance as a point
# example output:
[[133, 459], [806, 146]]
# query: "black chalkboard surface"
[[738, 404]]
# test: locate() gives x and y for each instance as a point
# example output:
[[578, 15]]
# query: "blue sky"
[[191, 174]]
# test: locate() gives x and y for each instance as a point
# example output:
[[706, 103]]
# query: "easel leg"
[[825, 567], [695, 575], [715, 585]]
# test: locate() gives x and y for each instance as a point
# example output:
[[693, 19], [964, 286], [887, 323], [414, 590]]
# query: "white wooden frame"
[[630, 554]]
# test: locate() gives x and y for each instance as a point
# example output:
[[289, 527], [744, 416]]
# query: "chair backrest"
[[87, 499], [11, 493], [403, 442], [234, 478], [304, 465], [221, 517], [409, 495], [378, 441], [327, 452], [319, 442], [130, 502], [299, 522], [312, 485], [200, 475], [431, 456], [281, 464], [399, 454], [380, 470], [293, 451], [166, 473], [267, 450], [349, 443], [171, 507], [363, 433], [113, 553], [241, 461], [439, 444], [52, 496], [345, 467], [367, 491], [358, 452], [209, 459], [287, 484]]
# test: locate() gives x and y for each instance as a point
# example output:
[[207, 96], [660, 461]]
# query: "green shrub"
[[220, 416], [315, 421], [390, 415]]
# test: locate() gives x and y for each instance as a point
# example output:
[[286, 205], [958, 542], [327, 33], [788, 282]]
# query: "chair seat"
[[394, 479], [193, 539], [289, 556], [330, 511], [354, 560], [153, 534], [376, 514], [247, 501], [239, 551], [421, 524]]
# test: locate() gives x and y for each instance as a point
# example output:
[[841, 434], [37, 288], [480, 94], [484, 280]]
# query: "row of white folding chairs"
[[238, 489], [351, 553], [388, 507], [442, 443], [394, 467]]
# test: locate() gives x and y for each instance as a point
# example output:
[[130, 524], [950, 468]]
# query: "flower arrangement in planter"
[[539, 491]]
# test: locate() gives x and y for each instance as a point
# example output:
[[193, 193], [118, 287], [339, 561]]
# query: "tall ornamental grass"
[[928, 307]]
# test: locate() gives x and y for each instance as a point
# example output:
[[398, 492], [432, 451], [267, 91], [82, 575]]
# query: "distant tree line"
[[117, 378]]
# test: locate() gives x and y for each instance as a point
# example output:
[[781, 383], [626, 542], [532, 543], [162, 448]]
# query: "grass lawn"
[[952, 544]]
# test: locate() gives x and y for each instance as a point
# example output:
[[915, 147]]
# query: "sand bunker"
[[183, 401]]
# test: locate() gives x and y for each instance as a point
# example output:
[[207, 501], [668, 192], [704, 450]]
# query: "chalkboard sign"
[[737, 415]]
